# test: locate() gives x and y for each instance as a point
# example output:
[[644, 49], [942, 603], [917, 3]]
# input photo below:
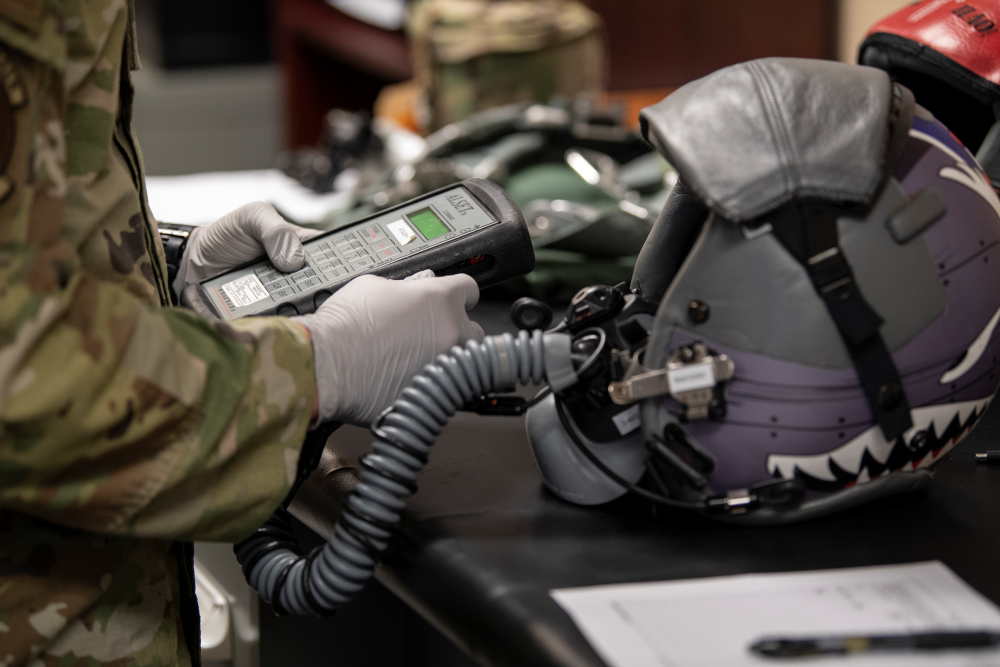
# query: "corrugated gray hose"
[[324, 580]]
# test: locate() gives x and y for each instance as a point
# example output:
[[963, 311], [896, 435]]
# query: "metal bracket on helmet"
[[781, 494], [736, 502], [690, 377]]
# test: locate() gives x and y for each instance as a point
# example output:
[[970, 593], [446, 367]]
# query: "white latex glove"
[[238, 237], [371, 337]]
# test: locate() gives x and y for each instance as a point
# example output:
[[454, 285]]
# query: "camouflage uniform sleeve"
[[117, 416]]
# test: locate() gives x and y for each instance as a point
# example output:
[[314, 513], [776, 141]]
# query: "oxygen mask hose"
[[323, 581]]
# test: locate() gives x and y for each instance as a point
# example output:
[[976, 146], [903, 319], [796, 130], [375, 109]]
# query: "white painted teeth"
[[849, 458], [781, 466], [850, 455], [966, 409], [817, 466]]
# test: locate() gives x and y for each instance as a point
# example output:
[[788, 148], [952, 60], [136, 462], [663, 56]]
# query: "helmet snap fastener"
[[889, 395], [698, 311], [919, 441]]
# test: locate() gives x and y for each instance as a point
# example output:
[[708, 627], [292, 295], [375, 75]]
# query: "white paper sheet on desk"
[[198, 199], [712, 622]]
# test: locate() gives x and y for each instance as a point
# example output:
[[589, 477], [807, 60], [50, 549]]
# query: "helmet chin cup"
[[567, 472]]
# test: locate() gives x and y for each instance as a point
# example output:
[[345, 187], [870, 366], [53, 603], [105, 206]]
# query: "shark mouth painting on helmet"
[[936, 431]]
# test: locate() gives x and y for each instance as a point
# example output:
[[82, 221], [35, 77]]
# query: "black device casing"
[[506, 246]]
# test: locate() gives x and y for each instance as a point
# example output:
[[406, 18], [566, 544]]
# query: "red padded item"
[[967, 33]]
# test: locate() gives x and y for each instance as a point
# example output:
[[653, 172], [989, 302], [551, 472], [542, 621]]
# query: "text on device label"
[[691, 378], [245, 290], [627, 420], [402, 232]]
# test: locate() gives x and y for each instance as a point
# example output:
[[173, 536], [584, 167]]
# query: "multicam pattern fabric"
[[124, 426], [471, 55]]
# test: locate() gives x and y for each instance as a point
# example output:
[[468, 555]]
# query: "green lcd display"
[[428, 223]]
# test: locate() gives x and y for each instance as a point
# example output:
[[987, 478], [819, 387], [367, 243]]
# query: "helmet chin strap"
[[988, 155]]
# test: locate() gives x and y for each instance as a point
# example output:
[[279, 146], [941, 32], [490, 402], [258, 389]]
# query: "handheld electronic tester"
[[471, 227]]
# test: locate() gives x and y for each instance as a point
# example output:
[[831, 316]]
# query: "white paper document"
[[713, 622], [198, 199]]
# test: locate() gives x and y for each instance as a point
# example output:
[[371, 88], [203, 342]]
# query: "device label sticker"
[[691, 378], [402, 232], [245, 290], [627, 420]]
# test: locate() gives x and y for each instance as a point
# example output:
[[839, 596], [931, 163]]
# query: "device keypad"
[[336, 257], [329, 261], [372, 233], [300, 276]]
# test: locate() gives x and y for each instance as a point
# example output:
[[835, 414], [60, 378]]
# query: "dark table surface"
[[483, 543]]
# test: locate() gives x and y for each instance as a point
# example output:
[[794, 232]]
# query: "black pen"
[[797, 648]]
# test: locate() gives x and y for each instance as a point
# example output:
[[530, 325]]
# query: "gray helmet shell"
[[920, 228]]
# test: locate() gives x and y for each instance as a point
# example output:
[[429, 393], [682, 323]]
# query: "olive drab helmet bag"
[[828, 277], [472, 55]]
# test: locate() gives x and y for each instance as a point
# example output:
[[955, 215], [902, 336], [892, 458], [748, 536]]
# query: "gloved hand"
[[371, 337], [238, 237]]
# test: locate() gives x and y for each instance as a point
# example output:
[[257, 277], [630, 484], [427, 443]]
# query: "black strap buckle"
[[815, 244]]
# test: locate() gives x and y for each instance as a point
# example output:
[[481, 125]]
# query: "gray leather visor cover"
[[753, 136]]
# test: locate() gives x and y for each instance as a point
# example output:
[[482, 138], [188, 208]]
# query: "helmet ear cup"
[[669, 242], [566, 471]]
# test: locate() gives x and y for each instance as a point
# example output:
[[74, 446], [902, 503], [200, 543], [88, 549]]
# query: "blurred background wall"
[[226, 84], [208, 94], [856, 16]]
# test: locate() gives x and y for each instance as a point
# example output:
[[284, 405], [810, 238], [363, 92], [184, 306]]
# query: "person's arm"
[[120, 417], [116, 416]]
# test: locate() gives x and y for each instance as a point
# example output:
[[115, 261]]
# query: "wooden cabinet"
[[329, 59]]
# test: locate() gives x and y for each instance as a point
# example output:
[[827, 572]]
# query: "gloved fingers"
[[306, 233], [279, 237], [472, 330], [359, 284], [420, 275], [350, 293], [463, 287]]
